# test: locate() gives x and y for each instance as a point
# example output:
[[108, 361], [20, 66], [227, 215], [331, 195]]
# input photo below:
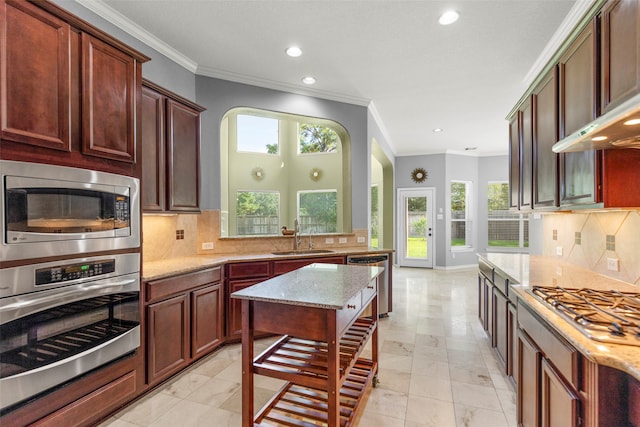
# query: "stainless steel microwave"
[[50, 210]]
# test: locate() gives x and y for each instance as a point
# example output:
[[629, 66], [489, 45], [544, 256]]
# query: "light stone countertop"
[[530, 270], [154, 270], [327, 286]]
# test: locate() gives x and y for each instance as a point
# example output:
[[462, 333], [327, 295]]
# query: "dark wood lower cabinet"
[[512, 343], [206, 329], [185, 319], [560, 404], [167, 337], [500, 330], [528, 398]]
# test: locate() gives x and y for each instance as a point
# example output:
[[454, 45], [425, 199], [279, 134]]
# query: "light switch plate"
[[613, 264], [559, 250], [329, 240], [207, 245], [342, 240], [361, 239]]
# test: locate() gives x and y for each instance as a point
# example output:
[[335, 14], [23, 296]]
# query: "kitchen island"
[[319, 311]]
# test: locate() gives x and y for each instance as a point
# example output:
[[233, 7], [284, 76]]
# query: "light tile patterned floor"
[[437, 368]]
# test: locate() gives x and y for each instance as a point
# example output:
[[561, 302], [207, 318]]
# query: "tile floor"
[[436, 368]]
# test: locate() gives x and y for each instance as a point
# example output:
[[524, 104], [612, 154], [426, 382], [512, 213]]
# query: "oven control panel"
[[63, 273]]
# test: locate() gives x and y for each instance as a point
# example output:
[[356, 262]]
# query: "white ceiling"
[[392, 55]]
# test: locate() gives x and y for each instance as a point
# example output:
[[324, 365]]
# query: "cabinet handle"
[[369, 287], [351, 306]]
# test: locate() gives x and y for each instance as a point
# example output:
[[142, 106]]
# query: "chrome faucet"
[[297, 239]]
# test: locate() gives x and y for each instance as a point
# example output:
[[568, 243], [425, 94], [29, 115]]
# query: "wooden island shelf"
[[318, 310]]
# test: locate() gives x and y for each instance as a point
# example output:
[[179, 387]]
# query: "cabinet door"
[[207, 320], [528, 396], [545, 134], [560, 405], [153, 149], [167, 337], [183, 157], [500, 329], [35, 67], [578, 107], [512, 342], [109, 79], [526, 154], [620, 34], [514, 161], [482, 304]]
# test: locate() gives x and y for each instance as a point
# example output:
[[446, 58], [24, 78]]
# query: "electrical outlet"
[[207, 245], [559, 250], [613, 264], [329, 240], [361, 239], [342, 240]]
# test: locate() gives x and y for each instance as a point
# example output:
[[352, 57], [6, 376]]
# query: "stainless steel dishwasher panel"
[[380, 260]]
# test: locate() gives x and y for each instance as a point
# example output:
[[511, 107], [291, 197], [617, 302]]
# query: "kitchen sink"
[[304, 252]]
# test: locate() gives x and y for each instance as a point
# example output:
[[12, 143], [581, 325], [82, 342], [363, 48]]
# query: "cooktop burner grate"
[[608, 316]]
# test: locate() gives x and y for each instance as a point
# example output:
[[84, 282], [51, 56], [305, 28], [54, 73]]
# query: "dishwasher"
[[380, 260]]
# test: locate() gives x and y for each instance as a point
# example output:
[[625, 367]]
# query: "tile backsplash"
[[183, 235], [590, 239]]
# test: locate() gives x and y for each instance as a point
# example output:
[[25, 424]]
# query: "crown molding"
[[270, 84], [106, 12], [568, 24]]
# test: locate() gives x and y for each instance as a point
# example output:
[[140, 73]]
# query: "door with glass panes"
[[416, 227]]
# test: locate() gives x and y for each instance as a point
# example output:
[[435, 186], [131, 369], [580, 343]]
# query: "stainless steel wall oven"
[[69, 275], [59, 320]]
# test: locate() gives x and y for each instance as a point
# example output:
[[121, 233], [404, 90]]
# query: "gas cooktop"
[[605, 316]]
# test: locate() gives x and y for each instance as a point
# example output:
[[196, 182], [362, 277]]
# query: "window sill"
[[462, 249]]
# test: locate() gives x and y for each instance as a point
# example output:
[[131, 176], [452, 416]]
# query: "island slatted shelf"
[[318, 309]]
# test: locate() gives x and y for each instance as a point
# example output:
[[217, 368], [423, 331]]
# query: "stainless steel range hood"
[[607, 131]]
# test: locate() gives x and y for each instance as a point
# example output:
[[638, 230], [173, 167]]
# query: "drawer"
[[369, 292], [248, 269], [565, 358], [157, 289], [485, 269], [351, 310]]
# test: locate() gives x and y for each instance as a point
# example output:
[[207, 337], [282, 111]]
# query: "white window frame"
[[300, 192], [468, 219], [522, 218]]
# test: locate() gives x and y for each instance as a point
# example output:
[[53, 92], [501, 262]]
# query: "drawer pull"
[[369, 287], [351, 306]]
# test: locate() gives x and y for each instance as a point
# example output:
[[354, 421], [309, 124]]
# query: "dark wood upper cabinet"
[[526, 154], [153, 142], [620, 38], [545, 134], [35, 74], [171, 150], [70, 92], [514, 161], [183, 156], [578, 97], [109, 80]]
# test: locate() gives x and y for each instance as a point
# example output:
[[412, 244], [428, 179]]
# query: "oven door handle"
[[25, 305]]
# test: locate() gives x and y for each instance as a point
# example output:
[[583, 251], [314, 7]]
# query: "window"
[[317, 139], [318, 211], [506, 229], [257, 134], [460, 214], [257, 213]]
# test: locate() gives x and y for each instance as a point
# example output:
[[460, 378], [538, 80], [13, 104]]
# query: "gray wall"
[[219, 96]]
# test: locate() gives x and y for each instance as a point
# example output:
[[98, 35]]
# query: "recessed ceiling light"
[[449, 17], [437, 130], [309, 80], [598, 138], [632, 122], [293, 51]]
